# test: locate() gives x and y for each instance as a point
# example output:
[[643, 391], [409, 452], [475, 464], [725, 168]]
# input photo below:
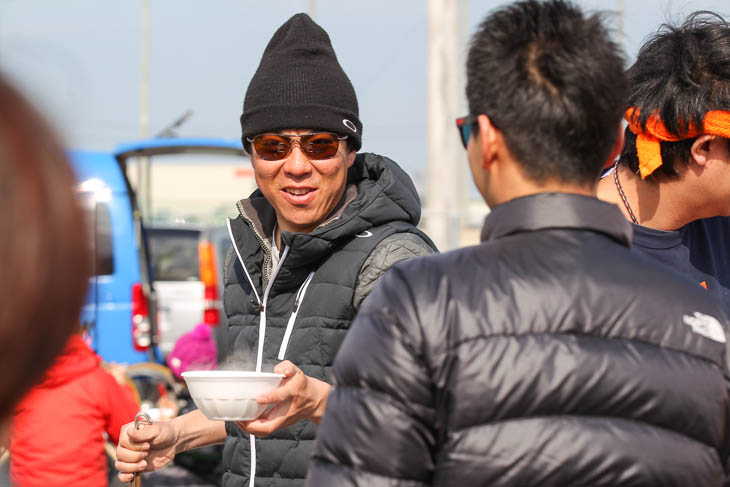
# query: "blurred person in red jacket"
[[43, 251], [58, 428]]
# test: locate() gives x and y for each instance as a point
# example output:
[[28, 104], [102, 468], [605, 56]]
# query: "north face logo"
[[706, 326]]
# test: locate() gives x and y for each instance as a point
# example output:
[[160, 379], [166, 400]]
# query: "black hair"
[[552, 81], [682, 73]]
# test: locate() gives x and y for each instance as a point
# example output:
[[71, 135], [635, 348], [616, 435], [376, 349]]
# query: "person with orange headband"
[[672, 180]]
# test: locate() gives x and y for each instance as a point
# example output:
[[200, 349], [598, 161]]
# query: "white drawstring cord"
[[262, 320], [240, 259], [252, 439], [262, 331], [260, 353], [290, 325]]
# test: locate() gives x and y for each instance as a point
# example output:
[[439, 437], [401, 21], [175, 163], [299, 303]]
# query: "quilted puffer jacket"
[[548, 355], [306, 303]]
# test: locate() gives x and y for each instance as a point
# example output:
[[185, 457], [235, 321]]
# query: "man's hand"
[[297, 397], [144, 450], [154, 446]]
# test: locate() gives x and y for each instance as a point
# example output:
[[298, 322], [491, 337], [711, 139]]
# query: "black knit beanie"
[[299, 84]]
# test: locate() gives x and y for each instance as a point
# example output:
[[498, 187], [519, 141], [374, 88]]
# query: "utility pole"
[[312, 10], [144, 176], [445, 157], [620, 25]]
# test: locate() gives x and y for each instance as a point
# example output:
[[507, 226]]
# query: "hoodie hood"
[[385, 194], [77, 359]]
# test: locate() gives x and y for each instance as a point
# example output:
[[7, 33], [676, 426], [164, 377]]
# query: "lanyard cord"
[[621, 193]]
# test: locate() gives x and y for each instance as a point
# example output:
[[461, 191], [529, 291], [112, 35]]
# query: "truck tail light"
[[211, 313], [141, 326]]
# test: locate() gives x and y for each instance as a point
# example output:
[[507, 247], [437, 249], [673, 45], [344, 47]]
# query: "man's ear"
[[618, 146], [488, 137], [350, 158], [701, 148]]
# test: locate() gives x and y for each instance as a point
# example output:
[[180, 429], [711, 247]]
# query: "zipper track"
[[262, 320], [266, 268], [262, 309], [240, 259]]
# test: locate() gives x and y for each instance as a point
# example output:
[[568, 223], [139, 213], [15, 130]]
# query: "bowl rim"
[[230, 374]]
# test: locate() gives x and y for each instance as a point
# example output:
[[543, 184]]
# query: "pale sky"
[[79, 60]]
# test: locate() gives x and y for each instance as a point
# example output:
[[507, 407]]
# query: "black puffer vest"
[[312, 287]]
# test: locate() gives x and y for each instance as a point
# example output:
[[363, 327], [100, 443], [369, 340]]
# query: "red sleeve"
[[120, 405]]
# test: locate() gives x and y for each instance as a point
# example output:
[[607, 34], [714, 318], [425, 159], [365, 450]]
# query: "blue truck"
[[120, 299], [121, 306]]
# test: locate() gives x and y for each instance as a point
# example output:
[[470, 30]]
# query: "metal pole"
[[620, 25], [312, 10], [143, 166], [445, 157], [465, 173]]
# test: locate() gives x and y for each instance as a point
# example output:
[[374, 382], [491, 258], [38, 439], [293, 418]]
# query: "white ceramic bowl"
[[230, 395]]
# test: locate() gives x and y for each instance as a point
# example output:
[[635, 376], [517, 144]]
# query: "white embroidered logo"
[[365, 234], [706, 326], [349, 125]]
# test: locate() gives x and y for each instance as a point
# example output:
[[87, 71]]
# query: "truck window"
[[99, 234], [174, 254]]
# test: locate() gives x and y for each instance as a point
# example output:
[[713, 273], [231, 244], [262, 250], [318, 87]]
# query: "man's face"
[[303, 191]]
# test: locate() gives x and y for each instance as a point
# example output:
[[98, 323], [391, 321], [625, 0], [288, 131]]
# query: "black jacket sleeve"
[[378, 426]]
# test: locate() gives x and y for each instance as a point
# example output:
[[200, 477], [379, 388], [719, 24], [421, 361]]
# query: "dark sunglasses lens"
[[320, 146], [271, 147], [465, 134], [316, 146]]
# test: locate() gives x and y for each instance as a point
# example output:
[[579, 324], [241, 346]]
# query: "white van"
[[187, 273]]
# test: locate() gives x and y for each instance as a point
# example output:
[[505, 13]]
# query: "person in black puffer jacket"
[[550, 354], [308, 246]]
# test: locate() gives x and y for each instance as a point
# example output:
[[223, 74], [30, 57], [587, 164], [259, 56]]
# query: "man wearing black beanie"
[[308, 246]]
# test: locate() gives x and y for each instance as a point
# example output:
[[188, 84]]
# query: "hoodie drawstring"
[[290, 325]]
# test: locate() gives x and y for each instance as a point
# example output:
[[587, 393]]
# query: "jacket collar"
[[379, 192], [261, 216], [557, 211], [76, 360]]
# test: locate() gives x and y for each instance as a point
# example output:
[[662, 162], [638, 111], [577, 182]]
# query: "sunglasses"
[[316, 146], [465, 124]]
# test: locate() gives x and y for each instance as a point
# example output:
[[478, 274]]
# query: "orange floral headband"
[[717, 122]]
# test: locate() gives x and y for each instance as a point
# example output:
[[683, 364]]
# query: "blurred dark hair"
[[552, 81], [43, 249], [682, 72]]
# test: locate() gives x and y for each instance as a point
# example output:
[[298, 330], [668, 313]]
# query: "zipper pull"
[[258, 305]]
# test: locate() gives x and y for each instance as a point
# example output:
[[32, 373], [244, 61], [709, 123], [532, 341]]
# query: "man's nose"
[[297, 162]]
